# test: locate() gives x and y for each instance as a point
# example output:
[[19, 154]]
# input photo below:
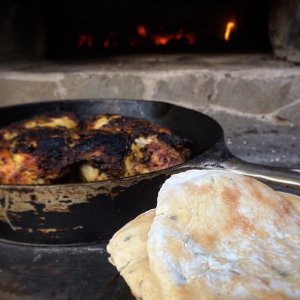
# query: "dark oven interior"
[[95, 28], [88, 29]]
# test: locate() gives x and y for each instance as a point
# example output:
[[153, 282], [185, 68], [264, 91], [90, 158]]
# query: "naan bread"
[[218, 235], [128, 252]]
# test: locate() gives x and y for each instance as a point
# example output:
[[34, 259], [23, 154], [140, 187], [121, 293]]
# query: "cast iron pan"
[[92, 212]]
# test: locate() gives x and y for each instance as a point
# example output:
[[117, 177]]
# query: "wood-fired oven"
[[89, 29]]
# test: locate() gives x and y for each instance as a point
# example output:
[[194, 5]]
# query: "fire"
[[161, 40], [85, 40], [229, 28], [141, 31], [164, 39], [114, 40]]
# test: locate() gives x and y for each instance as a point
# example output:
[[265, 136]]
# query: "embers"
[[96, 28]]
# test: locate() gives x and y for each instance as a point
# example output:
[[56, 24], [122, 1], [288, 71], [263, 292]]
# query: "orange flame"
[[229, 28], [164, 39], [112, 41], [85, 40], [161, 40], [141, 31]]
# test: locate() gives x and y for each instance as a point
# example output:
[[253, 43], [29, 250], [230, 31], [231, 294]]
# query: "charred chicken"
[[152, 147], [37, 150], [52, 148]]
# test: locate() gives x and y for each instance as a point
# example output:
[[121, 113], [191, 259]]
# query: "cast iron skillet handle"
[[219, 157], [271, 174]]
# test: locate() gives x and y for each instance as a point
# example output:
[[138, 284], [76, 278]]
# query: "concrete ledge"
[[254, 85]]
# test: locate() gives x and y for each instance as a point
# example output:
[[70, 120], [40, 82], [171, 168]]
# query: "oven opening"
[[96, 28]]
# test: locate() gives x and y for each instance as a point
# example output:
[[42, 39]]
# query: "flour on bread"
[[224, 236]]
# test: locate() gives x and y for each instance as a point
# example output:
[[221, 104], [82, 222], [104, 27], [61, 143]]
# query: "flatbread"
[[215, 235], [128, 252], [218, 235]]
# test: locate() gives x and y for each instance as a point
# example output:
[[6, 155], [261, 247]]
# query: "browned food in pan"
[[54, 120], [53, 148], [65, 120], [101, 155], [134, 127], [155, 152], [38, 150], [35, 156], [152, 147]]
